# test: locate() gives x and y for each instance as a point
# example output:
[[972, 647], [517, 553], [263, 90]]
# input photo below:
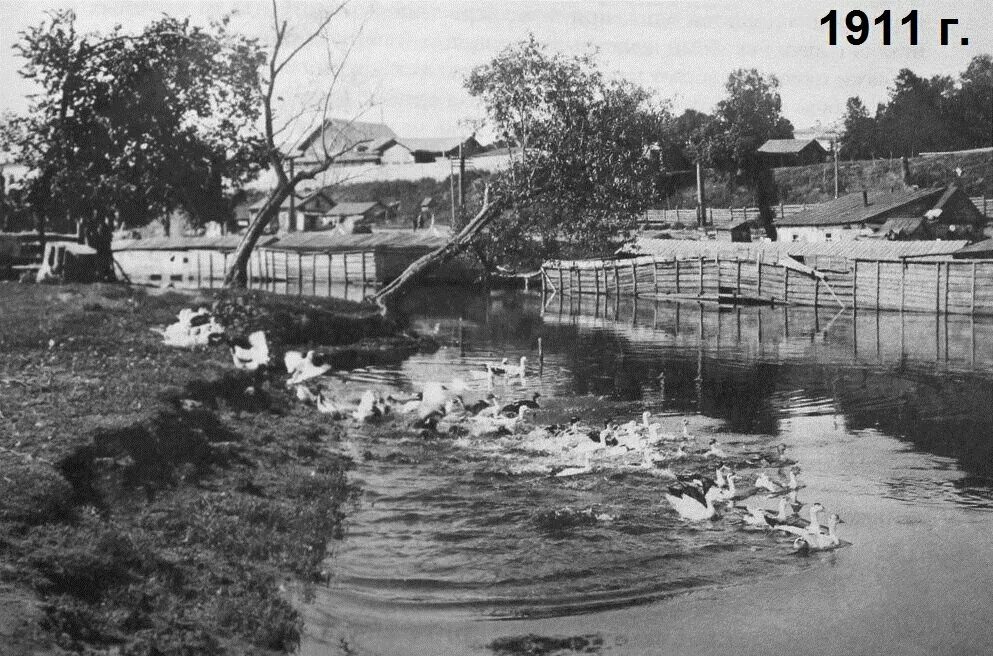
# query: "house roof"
[[339, 135], [222, 243], [351, 209], [332, 240], [851, 208], [788, 146], [901, 225], [436, 145], [982, 249]]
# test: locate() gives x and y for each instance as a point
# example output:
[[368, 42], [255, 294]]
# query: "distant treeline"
[[937, 114]]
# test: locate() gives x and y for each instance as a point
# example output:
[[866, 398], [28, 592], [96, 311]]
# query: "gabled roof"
[[301, 199], [337, 135], [982, 249], [852, 208], [351, 209], [788, 146]]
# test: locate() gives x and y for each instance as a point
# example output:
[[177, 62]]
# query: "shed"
[[792, 152], [308, 208], [982, 250]]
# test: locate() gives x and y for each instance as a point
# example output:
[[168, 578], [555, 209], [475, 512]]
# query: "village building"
[[354, 217], [309, 210], [916, 214], [431, 149], [792, 152], [350, 142]]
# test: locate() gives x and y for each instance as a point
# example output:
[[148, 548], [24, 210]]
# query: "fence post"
[[786, 285], [675, 260], [596, 278], [701, 277], [634, 277], [972, 302], [561, 288], [855, 286], [655, 275], [937, 288], [579, 280], [617, 281], [903, 282], [758, 276]]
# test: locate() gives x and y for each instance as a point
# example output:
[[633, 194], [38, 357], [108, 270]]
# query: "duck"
[[692, 502], [497, 369], [304, 394], [714, 451], [813, 526], [368, 408], [475, 408], [765, 519], [510, 409], [780, 486], [808, 542], [193, 328], [518, 369], [686, 429], [304, 368], [251, 353]]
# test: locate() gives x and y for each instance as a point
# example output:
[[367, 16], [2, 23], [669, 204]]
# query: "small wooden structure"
[[181, 261], [792, 152]]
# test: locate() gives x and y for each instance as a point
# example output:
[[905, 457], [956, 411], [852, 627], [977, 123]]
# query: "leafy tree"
[[584, 168], [749, 115], [919, 115], [974, 101], [858, 138], [127, 127]]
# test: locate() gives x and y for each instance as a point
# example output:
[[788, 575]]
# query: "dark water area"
[[889, 416]]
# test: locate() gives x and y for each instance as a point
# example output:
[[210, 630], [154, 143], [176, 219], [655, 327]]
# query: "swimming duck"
[[819, 541], [813, 526], [765, 519], [692, 502]]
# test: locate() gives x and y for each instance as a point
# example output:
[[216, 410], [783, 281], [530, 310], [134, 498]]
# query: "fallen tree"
[[490, 210]]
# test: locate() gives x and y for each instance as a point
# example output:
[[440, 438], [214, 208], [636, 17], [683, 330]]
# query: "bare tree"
[[327, 143]]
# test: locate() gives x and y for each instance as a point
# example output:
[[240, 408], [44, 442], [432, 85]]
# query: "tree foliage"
[[132, 126], [586, 160], [926, 114]]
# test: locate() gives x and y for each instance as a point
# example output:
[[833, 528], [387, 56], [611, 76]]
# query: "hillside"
[[815, 183]]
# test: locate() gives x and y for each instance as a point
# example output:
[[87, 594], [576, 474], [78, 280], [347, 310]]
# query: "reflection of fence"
[[944, 286], [799, 334]]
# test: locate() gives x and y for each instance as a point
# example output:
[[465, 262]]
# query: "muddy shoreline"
[[155, 499]]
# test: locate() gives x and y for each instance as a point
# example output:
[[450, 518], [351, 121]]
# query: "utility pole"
[[461, 179], [701, 201], [451, 187], [834, 147]]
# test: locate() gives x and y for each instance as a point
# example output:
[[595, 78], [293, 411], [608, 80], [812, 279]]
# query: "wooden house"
[[354, 217], [352, 142], [792, 152], [308, 212], [938, 213]]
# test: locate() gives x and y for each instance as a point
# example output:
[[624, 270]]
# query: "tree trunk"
[[438, 256], [237, 273]]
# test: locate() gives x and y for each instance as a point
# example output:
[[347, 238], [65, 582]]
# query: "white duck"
[[764, 519], [517, 369], [250, 354], [820, 541], [368, 408], [692, 502], [814, 526], [304, 368]]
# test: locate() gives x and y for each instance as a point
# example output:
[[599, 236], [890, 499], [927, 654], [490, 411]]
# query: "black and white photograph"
[[496, 328]]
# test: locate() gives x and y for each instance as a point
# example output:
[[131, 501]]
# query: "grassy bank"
[[155, 500]]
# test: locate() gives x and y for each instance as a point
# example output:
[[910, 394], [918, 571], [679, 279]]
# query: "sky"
[[409, 58]]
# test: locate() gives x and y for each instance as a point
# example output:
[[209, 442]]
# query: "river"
[[461, 546]]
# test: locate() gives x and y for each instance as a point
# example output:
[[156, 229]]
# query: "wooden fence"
[[945, 286], [663, 218], [293, 272]]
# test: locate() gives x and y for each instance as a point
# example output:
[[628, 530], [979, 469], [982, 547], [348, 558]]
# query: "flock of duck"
[[576, 448]]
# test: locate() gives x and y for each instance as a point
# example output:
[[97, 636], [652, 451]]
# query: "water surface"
[[887, 414]]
